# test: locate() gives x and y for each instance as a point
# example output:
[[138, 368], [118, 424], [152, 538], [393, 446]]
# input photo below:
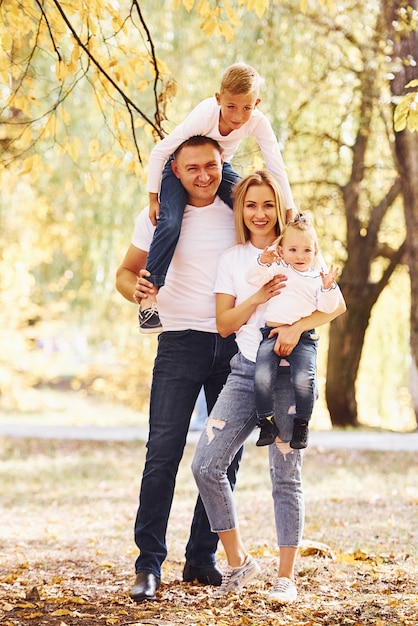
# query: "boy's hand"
[[329, 279], [154, 208]]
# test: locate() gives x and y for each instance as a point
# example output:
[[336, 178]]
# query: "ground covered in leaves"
[[67, 551]]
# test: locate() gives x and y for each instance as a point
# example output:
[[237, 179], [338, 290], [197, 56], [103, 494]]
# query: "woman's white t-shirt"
[[231, 280]]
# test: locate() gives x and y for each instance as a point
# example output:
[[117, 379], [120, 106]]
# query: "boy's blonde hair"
[[240, 78]]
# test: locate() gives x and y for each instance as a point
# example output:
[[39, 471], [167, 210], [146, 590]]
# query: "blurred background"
[[77, 125]]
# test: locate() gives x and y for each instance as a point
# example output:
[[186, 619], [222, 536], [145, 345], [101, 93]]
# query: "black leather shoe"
[[204, 574], [146, 584]]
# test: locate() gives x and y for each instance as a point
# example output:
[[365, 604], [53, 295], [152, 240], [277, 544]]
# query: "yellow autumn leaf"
[[203, 8], [6, 40], [50, 126], [89, 184], [93, 148], [209, 27], [74, 148], [412, 83], [61, 70], [402, 111], [188, 4], [142, 85], [60, 612], [65, 116], [260, 6], [227, 31], [231, 14]]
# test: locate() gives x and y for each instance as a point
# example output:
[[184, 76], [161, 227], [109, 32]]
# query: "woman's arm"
[[288, 336], [229, 318]]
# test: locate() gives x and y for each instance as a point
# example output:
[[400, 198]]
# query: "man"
[[190, 354]]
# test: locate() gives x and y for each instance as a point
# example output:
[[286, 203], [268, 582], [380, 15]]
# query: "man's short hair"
[[198, 140]]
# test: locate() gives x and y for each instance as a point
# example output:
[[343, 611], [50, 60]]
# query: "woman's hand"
[[272, 288], [287, 338]]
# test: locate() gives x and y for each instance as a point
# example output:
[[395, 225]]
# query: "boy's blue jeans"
[[185, 361], [173, 199], [302, 362]]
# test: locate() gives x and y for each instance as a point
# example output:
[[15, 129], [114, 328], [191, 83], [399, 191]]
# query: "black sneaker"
[[149, 320], [268, 432], [300, 433], [204, 574]]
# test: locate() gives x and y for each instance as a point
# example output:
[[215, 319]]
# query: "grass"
[[67, 517]]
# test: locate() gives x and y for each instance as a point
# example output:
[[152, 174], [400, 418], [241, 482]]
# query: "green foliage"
[[75, 143]]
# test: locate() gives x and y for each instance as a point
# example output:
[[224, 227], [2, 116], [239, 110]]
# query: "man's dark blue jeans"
[[185, 361]]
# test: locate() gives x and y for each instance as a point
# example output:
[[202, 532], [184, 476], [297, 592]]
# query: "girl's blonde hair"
[[240, 78], [239, 193], [301, 223]]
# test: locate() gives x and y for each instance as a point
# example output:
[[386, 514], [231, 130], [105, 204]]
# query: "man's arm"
[[128, 273]]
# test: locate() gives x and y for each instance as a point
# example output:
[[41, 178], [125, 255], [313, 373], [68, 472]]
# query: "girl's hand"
[[329, 279], [268, 256]]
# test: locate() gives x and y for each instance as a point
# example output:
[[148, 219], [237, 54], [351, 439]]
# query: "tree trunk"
[[405, 57], [360, 290]]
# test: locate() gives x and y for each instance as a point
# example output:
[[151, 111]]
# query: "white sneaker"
[[235, 578], [283, 592]]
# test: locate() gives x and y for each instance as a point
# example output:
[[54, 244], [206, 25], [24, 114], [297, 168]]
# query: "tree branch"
[[128, 102]]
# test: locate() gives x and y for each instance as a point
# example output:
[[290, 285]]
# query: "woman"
[[259, 218]]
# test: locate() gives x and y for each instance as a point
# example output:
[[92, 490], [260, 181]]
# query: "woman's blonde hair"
[[239, 193], [240, 78]]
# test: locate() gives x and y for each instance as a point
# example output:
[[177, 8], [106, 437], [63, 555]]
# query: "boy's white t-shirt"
[[204, 120], [187, 299], [231, 280]]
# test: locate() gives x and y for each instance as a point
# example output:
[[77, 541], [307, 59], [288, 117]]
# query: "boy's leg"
[[265, 380], [173, 199], [229, 179]]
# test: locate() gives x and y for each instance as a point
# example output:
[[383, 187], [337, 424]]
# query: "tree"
[[52, 52], [401, 20]]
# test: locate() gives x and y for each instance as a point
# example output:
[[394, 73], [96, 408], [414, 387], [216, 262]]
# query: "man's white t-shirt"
[[187, 300]]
